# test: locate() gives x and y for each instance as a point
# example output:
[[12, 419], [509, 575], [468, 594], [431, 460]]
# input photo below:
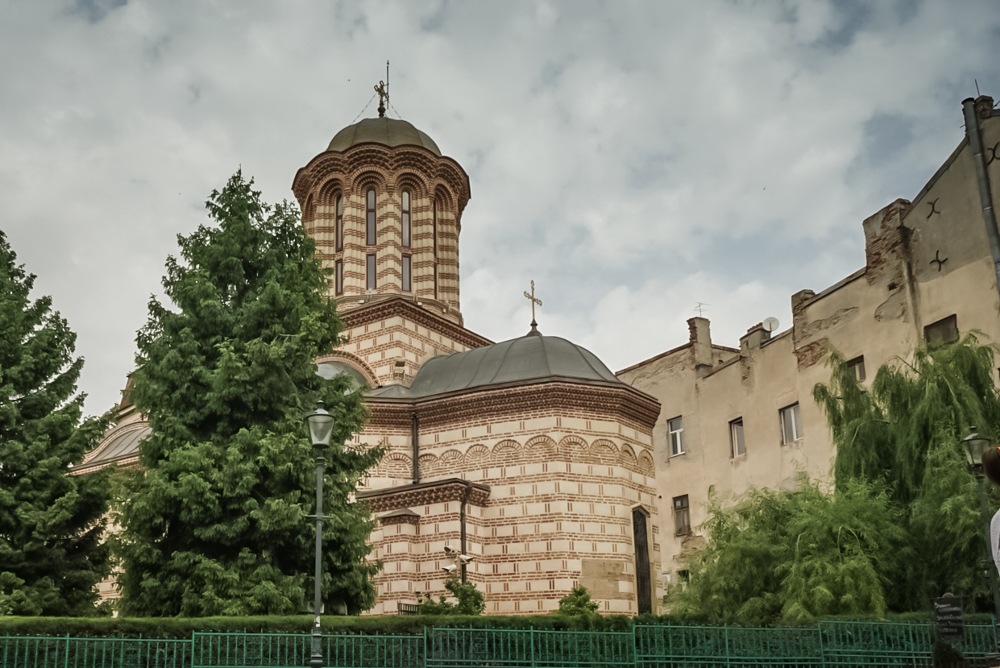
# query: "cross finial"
[[383, 97], [534, 300]]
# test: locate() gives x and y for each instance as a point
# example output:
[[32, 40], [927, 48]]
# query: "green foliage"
[[51, 554], [468, 600], [904, 432], [215, 520], [577, 602], [791, 555]]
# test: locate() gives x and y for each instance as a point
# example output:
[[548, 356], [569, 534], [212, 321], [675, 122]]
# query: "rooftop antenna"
[[978, 94], [700, 308]]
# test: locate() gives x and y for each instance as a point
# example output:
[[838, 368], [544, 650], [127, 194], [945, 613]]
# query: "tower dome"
[[384, 208], [386, 131]]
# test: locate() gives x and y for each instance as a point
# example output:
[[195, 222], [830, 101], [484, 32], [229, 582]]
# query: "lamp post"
[[974, 446], [320, 430]]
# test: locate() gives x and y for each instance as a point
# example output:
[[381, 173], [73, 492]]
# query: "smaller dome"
[[530, 359], [385, 131]]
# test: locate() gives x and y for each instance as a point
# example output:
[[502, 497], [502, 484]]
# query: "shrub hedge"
[[183, 627]]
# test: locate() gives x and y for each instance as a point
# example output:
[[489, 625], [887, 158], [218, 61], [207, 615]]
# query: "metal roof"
[[531, 358]]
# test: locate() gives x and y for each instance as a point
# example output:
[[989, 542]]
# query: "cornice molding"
[[616, 400], [383, 309], [425, 493]]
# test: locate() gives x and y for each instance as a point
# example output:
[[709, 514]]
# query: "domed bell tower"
[[385, 210]]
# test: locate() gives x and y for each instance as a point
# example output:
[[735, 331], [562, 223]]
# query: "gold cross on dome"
[[534, 300]]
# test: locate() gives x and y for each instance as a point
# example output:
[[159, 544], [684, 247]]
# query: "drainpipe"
[[462, 516], [972, 131], [415, 447]]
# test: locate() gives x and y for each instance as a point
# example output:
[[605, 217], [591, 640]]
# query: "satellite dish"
[[770, 324]]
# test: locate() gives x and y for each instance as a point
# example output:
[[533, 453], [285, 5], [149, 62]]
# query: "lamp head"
[[974, 446], [320, 426], [448, 549], [450, 568], [465, 558]]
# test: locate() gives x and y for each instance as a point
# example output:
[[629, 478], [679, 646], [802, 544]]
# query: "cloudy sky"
[[633, 158]]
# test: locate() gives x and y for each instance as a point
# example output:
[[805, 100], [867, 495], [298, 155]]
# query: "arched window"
[[406, 219], [370, 217], [643, 581], [434, 234], [340, 223]]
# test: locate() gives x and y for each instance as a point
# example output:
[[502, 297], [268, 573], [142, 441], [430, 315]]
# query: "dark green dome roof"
[[529, 359], [385, 131]]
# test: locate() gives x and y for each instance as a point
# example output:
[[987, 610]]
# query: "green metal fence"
[[827, 644]]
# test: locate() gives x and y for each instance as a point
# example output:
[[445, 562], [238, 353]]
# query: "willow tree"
[[215, 522], [904, 432], [792, 555]]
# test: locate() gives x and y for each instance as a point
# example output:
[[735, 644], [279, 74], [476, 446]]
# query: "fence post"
[[66, 653], [635, 645], [425, 647], [822, 645]]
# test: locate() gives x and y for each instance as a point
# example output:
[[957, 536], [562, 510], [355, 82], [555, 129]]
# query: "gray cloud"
[[633, 158]]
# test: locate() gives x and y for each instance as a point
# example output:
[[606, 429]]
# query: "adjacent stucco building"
[[737, 417]]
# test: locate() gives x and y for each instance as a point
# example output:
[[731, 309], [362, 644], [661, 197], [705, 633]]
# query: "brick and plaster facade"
[[929, 272]]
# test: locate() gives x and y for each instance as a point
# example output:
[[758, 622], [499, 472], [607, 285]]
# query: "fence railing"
[[830, 644]]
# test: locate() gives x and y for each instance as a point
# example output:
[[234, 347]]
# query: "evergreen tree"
[[215, 520], [51, 522]]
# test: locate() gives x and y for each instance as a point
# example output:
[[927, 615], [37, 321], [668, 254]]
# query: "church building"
[[524, 466]]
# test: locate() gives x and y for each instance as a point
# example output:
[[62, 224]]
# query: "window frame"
[[682, 515], [338, 277], [737, 446], [675, 437], [339, 223], [407, 273], [857, 368], [371, 269], [794, 411], [371, 204], [943, 332], [405, 219]]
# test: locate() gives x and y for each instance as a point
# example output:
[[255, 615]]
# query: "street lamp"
[[320, 430], [974, 446]]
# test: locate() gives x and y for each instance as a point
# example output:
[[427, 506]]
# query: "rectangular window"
[[682, 516], [941, 332], [370, 271], [675, 436], [857, 368], [406, 219], [370, 218], [737, 445], [338, 277], [340, 224], [407, 263], [791, 429]]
